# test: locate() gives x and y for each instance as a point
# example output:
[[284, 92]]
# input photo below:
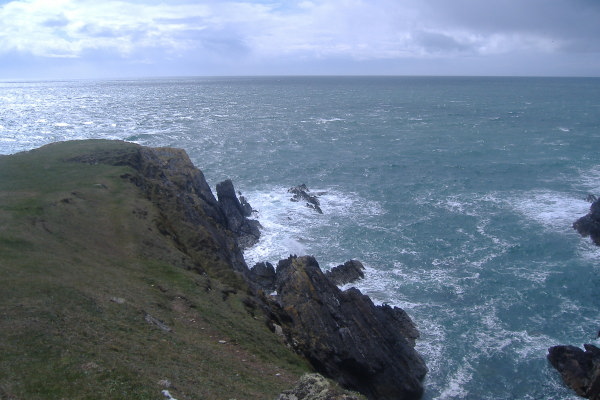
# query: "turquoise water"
[[458, 194]]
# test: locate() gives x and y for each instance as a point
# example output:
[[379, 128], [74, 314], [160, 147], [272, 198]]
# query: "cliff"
[[120, 280], [123, 276]]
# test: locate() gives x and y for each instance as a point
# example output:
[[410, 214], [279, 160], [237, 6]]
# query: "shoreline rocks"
[[589, 224], [363, 347], [301, 193], [579, 369], [349, 272], [236, 213]]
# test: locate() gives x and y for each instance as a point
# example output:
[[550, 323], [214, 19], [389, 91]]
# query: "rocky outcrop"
[[580, 370], [347, 338], [189, 213], [262, 275], [316, 387], [236, 213], [589, 225], [301, 193], [348, 272]]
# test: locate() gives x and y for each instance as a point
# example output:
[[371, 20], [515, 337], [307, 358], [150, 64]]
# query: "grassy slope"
[[78, 280]]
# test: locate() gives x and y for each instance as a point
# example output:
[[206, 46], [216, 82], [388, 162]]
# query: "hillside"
[[105, 295]]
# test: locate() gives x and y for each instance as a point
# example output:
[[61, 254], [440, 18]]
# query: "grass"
[[82, 265]]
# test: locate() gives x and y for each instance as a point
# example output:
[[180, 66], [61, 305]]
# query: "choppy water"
[[457, 193]]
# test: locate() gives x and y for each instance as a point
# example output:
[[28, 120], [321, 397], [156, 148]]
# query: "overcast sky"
[[127, 38]]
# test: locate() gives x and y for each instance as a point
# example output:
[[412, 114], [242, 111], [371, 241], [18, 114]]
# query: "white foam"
[[62, 124], [555, 211], [455, 389], [590, 180], [327, 120], [292, 228], [534, 275]]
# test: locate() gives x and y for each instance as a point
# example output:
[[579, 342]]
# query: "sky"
[[47, 39]]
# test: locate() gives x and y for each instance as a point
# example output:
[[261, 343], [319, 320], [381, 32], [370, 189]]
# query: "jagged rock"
[[348, 272], [246, 207], [347, 338], [300, 192], [247, 230], [315, 387], [589, 225], [263, 275], [580, 370]]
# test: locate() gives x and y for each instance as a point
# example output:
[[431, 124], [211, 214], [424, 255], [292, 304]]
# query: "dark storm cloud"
[[574, 23], [433, 42]]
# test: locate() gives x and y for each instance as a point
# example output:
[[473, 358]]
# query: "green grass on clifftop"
[[87, 311]]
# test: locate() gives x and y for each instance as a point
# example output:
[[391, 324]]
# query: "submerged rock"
[[348, 272], [236, 213], [301, 193], [589, 225], [366, 348], [580, 370]]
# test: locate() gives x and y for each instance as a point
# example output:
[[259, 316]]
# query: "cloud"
[[261, 33]]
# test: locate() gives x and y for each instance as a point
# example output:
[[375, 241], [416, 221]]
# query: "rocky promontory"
[[122, 271]]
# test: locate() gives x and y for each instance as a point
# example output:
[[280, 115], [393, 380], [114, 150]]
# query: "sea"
[[458, 194]]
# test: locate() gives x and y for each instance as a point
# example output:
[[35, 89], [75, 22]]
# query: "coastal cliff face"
[[122, 266], [189, 214]]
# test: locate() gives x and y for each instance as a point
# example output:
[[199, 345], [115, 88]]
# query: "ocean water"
[[458, 194]]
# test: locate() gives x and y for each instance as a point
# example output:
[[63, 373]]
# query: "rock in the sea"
[[347, 338], [580, 370], [301, 193], [315, 387], [348, 272], [246, 230], [589, 225]]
